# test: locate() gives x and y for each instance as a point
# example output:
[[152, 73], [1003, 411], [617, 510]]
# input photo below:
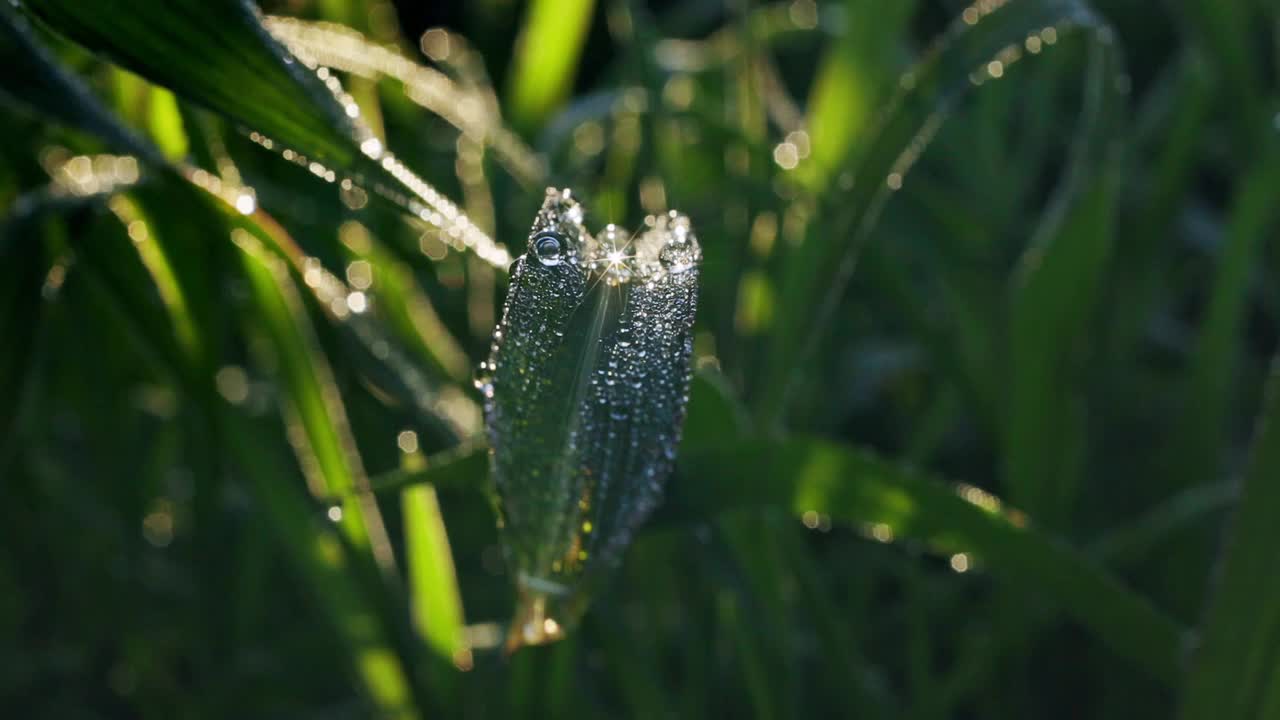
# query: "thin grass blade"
[[434, 598], [1238, 658], [317, 419], [320, 558], [546, 56]]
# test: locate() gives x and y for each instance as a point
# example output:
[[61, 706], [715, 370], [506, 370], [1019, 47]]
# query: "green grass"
[[979, 428]]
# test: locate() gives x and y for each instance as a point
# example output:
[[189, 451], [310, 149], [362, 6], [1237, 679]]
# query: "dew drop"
[[547, 248], [482, 378]]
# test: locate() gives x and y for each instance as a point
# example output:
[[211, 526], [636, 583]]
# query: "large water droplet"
[[548, 248]]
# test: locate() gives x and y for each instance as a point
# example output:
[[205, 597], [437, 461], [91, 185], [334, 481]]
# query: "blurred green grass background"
[[981, 426]]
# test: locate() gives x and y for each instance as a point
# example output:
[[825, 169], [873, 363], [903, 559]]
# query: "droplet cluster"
[[585, 392]]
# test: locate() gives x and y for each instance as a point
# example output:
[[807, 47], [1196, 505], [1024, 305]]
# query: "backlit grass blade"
[[404, 307], [321, 559], [71, 102], [546, 58], [1237, 661], [433, 583], [465, 108], [851, 83], [152, 110], [155, 254], [442, 410], [316, 418], [123, 289], [219, 55], [856, 488]]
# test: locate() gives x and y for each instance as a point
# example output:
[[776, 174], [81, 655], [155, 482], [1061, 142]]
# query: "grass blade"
[[1235, 667], [218, 54], [33, 77], [987, 36], [1052, 302], [1183, 100], [466, 108], [851, 83], [857, 488], [1223, 30], [318, 423], [435, 600], [1200, 434], [405, 308], [1216, 356], [546, 56], [320, 558], [21, 309]]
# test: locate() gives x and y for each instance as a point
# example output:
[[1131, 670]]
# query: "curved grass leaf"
[[986, 37], [851, 82], [768, 26], [403, 306], [34, 78], [68, 100], [218, 54], [158, 256], [65, 98], [377, 352], [472, 111], [318, 421], [859, 489], [123, 285], [318, 430]]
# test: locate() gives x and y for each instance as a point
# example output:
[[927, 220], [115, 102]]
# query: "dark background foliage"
[[233, 488]]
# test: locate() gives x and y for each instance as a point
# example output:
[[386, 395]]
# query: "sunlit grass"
[[987, 307]]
